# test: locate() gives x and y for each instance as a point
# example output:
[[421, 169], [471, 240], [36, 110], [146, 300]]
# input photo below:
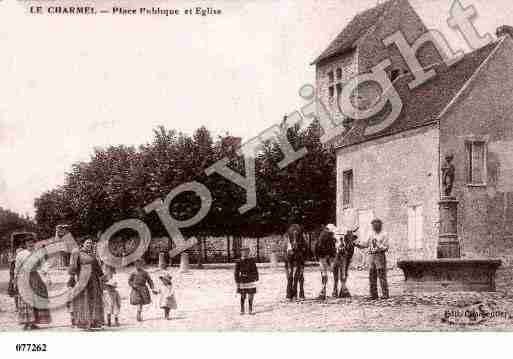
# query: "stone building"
[[465, 109]]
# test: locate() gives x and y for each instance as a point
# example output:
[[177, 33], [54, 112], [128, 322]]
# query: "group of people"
[[99, 302], [334, 250]]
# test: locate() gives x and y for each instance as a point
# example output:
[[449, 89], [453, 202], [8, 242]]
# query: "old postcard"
[[255, 166]]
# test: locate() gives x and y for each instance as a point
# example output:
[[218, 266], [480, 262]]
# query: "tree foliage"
[[13, 222], [119, 181]]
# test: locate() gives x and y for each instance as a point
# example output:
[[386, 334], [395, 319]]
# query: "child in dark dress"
[[139, 282], [246, 278]]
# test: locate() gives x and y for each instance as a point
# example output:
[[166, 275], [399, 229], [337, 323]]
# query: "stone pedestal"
[[274, 261], [162, 261], [448, 243], [184, 262]]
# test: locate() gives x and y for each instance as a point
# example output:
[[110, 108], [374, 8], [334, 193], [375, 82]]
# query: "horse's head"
[[295, 236], [350, 236], [348, 239]]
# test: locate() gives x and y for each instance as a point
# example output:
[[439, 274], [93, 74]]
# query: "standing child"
[[111, 301], [139, 282], [167, 295], [246, 277]]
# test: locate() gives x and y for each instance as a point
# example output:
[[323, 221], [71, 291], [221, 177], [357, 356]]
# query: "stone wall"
[[484, 112], [348, 65], [217, 248], [389, 175]]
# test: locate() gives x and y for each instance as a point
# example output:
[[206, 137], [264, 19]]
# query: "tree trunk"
[[258, 249], [205, 254], [200, 251], [228, 247]]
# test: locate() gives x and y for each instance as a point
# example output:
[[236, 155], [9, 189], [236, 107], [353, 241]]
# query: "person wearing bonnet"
[[111, 300], [167, 300]]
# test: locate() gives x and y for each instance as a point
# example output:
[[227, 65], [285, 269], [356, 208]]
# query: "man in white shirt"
[[377, 246]]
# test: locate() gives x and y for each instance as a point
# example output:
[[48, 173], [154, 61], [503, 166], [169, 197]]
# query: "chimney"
[[504, 30]]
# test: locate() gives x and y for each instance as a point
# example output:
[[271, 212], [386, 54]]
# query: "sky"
[[69, 84]]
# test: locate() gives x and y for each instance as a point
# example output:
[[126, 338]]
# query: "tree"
[[12, 222], [119, 181]]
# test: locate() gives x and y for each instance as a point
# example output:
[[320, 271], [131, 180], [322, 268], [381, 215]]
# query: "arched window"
[[339, 74], [394, 74]]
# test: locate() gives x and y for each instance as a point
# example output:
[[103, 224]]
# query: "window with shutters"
[[331, 76], [415, 227], [347, 188], [476, 162], [331, 91]]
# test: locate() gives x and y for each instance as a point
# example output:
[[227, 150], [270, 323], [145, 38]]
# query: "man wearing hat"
[[325, 252], [377, 246], [246, 278]]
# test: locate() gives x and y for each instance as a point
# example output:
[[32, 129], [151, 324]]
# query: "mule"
[[295, 262], [345, 251]]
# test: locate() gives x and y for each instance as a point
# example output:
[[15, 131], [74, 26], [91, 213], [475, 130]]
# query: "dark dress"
[[27, 314], [139, 282], [246, 276], [87, 306]]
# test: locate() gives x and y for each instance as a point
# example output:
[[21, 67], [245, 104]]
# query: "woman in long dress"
[[87, 306], [28, 315]]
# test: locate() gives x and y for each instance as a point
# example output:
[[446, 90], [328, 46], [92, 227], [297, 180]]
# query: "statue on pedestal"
[[448, 175]]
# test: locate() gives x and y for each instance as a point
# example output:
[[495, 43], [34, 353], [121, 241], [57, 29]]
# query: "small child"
[[246, 278], [167, 295], [139, 282], [111, 302]]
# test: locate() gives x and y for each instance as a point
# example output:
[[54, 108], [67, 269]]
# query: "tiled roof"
[[423, 104], [354, 31]]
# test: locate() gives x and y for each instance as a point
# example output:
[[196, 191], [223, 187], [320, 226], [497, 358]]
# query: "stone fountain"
[[449, 272]]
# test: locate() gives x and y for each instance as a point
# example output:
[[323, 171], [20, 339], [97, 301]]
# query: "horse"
[[345, 251], [295, 261]]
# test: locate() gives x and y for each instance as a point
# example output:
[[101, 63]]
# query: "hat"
[[331, 227], [111, 283], [140, 261], [166, 279], [377, 220]]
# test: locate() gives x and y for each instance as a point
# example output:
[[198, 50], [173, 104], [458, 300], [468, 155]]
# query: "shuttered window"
[[415, 227], [476, 164], [347, 188]]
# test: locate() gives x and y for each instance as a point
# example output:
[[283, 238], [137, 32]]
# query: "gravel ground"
[[207, 302]]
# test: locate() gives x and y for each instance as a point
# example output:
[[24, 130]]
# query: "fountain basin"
[[449, 274]]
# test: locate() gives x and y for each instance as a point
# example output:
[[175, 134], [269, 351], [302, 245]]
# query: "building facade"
[[394, 174]]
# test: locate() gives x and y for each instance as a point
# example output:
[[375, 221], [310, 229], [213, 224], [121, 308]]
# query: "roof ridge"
[[357, 28], [466, 85], [387, 6], [425, 104]]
